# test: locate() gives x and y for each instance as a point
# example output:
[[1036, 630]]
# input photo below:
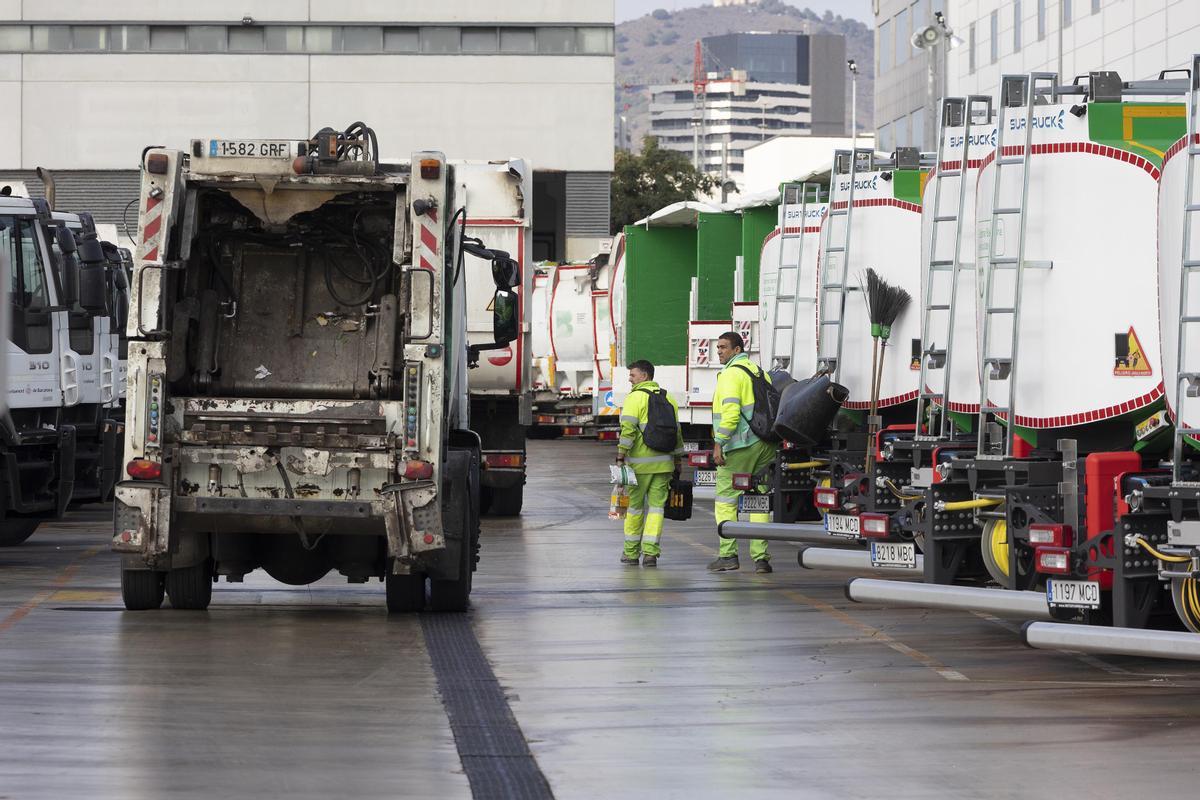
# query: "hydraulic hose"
[[1149, 548], [799, 465], [967, 505]]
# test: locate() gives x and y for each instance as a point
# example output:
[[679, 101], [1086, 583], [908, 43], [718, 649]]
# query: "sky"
[[856, 9]]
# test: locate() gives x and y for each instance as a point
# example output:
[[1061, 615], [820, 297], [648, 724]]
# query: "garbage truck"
[[298, 378]]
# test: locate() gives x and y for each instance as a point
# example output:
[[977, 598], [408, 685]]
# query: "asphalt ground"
[[572, 676]]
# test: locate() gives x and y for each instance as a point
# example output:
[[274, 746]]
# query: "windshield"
[[18, 241]]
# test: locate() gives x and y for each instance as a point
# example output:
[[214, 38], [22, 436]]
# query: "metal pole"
[[859, 561], [780, 532], [1001, 602], [1061, 18], [1112, 641], [853, 109]]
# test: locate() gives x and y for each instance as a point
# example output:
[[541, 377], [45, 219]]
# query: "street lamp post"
[[853, 67]]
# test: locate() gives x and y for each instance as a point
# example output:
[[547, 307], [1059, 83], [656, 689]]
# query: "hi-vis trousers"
[[644, 519], [745, 460]]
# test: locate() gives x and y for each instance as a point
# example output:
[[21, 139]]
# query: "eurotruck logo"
[[859, 185], [977, 140], [1044, 122], [810, 215]]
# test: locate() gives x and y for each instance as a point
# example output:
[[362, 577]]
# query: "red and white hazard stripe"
[[151, 233], [429, 240]]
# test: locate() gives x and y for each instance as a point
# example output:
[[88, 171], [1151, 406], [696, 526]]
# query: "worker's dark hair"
[[645, 366], [734, 338]]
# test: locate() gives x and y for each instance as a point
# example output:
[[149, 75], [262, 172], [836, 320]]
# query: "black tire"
[[507, 502], [142, 589], [405, 593], [455, 595], [190, 588], [486, 495], [15, 530]]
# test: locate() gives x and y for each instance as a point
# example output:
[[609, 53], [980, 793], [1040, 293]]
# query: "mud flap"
[[141, 519], [414, 522], [66, 468]]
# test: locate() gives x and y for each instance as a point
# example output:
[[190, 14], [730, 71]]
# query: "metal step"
[[1010, 160], [946, 218], [1005, 211], [1001, 310], [938, 308]]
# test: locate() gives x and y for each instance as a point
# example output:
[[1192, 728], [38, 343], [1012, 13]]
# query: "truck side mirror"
[[93, 274], [504, 316], [506, 272], [70, 265]]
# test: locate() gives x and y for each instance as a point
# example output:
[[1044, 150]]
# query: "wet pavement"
[[624, 681]]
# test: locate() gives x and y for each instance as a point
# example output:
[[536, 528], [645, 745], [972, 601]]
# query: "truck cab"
[[298, 372]]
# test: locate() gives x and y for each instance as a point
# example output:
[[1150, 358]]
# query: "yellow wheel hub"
[[995, 549]]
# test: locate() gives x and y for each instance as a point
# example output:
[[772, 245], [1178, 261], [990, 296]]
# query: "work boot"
[[762, 566], [631, 561], [724, 564], [649, 561]]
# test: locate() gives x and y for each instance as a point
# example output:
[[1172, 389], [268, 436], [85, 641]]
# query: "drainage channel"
[[490, 743]]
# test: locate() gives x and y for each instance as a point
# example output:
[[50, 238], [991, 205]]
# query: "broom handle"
[[870, 459]]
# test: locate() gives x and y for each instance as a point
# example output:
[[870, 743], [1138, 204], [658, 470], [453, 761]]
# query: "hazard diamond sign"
[[1130, 359]]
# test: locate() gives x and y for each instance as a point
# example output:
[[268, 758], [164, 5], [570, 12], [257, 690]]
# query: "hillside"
[[659, 48]]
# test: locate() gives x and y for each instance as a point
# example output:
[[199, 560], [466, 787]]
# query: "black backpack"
[[662, 429], [766, 405]]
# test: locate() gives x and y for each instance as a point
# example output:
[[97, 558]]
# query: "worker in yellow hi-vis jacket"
[[736, 450], [652, 444]]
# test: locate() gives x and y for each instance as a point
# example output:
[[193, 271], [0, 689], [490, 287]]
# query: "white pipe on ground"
[[799, 533], [1001, 602], [1112, 641], [828, 558]]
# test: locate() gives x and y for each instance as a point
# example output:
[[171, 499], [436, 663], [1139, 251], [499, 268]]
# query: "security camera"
[[927, 37], [852, 65]]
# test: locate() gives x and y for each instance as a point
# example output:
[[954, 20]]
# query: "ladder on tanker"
[[835, 282], [937, 314], [1187, 375], [790, 196], [998, 359]]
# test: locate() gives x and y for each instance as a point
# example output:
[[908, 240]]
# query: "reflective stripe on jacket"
[[635, 414], [733, 404]]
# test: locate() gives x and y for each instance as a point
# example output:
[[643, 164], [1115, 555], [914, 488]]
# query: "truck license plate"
[[691, 447], [249, 148], [894, 554], [754, 503], [1072, 594], [842, 525], [705, 477]]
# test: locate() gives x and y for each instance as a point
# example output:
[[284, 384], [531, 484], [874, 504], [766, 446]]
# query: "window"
[[51, 37], [900, 134], [322, 39], [518, 40], [28, 277], [1066, 12], [995, 39], [166, 38], [401, 40], [362, 39], [1095, 6], [1041, 19], [440, 40], [285, 39], [596, 41], [89, 37], [903, 32], [885, 47], [920, 14], [14, 38], [556, 41], [207, 38], [129, 38], [480, 40], [247, 39], [1016, 26], [971, 49]]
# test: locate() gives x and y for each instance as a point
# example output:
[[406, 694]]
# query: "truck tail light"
[[1055, 560], [431, 169], [743, 481], [874, 526], [826, 497], [700, 458], [418, 470], [510, 460], [1051, 534], [607, 436], [157, 163], [143, 469]]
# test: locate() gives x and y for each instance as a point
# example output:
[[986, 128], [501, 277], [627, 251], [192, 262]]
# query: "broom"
[[885, 303]]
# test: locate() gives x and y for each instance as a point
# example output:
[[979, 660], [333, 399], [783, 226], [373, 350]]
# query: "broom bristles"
[[884, 303]]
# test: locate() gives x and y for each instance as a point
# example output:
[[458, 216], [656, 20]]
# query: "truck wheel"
[[455, 595], [507, 502], [405, 593], [190, 588], [15, 530], [485, 499], [141, 589]]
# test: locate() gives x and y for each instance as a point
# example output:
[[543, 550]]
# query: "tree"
[[643, 183]]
